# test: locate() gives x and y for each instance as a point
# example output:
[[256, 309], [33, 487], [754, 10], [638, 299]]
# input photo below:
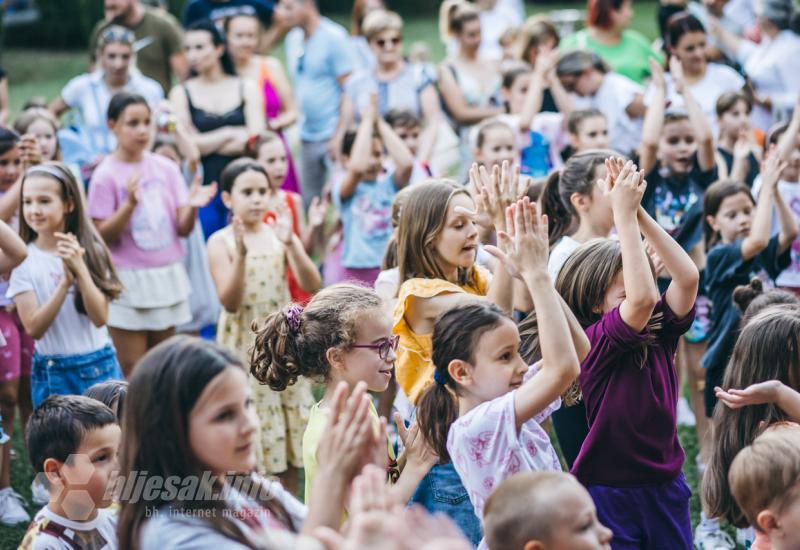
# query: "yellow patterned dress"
[[283, 415], [414, 365]]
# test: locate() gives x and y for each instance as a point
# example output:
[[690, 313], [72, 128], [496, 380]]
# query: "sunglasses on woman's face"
[[383, 42], [385, 346]]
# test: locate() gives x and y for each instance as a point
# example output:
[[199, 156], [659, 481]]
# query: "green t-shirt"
[[158, 37], [628, 58]]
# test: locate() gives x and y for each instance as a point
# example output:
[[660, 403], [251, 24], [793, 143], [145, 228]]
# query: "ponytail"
[[558, 214], [275, 358], [437, 409]]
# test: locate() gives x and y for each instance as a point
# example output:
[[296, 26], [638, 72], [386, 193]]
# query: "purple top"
[[631, 402]]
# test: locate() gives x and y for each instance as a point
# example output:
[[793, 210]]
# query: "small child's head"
[[728, 209], [572, 196], [516, 81], [73, 440], [508, 43], [733, 113], [44, 127], [129, 119], [10, 158], [376, 158], [460, 20], [245, 186], [678, 143], [591, 280], [536, 33], [166, 146], [342, 334], [495, 142], [269, 149], [581, 72], [792, 170], [686, 40], [110, 393], [407, 126], [435, 237], [475, 353], [390, 256], [767, 348], [588, 129], [752, 298], [543, 511], [765, 481]]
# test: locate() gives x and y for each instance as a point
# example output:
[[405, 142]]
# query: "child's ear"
[[460, 371], [69, 207], [52, 470], [334, 357], [712, 221], [579, 201], [226, 199], [766, 521]]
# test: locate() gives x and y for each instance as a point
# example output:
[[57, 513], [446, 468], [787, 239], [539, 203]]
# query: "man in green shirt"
[[159, 39]]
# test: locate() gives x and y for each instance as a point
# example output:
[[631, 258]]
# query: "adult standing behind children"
[[320, 59], [220, 109], [159, 44]]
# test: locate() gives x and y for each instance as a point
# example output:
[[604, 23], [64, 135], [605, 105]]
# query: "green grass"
[[21, 478]]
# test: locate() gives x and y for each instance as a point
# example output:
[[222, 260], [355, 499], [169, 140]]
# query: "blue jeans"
[[442, 491], [72, 374]]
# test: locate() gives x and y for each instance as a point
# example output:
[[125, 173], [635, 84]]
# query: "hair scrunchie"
[[439, 378], [292, 316]]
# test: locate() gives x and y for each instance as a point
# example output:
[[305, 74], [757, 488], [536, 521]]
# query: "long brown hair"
[[768, 348], [96, 254], [164, 389], [293, 342], [455, 336], [421, 221], [712, 200], [578, 176]]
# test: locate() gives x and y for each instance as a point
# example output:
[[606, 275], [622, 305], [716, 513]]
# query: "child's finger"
[[402, 431], [510, 221]]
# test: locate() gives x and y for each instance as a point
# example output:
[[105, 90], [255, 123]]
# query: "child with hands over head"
[[141, 207], [342, 335], [248, 262], [738, 152], [484, 409], [740, 246], [63, 288], [364, 195], [634, 333]]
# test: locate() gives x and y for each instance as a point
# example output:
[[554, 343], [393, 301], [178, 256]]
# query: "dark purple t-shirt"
[[631, 402]]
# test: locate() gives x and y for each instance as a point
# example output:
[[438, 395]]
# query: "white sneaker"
[[711, 537], [12, 507], [685, 415], [40, 494]]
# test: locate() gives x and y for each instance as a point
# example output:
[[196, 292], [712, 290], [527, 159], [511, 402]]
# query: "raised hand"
[[756, 394], [417, 449], [628, 190], [743, 145], [525, 247], [657, 74], [30, 152], [200, 195], [132, 187], [496, 191], [772, 168], [317, 211], [676, 70], [238, 236], [614, 166], [281, 224]]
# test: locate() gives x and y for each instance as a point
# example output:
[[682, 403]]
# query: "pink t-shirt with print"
[[486, 448], [151, 238]]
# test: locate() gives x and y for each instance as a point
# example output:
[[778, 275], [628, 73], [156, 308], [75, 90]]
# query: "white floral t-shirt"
[[485, 447]]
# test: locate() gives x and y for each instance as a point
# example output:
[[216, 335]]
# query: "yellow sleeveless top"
[[414, 365]]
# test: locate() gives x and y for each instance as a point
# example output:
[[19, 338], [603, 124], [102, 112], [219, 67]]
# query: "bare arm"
[[58, 106], [288, 113], [302, 266], [359, 158], [112, 227], [94, 301], [758, 239], [682, 291], [35, 319], [653, 120], [206, 142], [788, 141], [227, 270], [702, 129], [432, 117], [398, 152], [9, 202], [462, 112], [12, 248], [179, 66], [254, 115], [787, 222]]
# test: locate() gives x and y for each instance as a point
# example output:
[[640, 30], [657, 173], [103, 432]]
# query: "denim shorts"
[[72, 374], [442, 491]]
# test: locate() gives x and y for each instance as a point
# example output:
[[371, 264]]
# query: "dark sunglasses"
[[384, 346], [383, 42]]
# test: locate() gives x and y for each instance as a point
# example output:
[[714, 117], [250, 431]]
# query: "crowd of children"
[[388, 357]]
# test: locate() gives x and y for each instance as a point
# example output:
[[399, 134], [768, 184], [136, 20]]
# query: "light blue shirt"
[[315, 63], [367, 219]]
